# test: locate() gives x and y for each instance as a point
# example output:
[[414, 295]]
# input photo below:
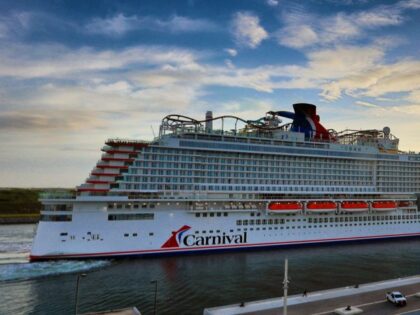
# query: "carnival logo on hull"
[[178, 239], [175, 238]]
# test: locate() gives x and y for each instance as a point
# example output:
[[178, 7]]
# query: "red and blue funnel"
[[306, 120]]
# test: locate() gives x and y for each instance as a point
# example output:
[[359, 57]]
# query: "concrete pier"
[[369, 298]]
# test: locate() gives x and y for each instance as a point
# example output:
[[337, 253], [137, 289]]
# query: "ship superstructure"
[[246, 184]]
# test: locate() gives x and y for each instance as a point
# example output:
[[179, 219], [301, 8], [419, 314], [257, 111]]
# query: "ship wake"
[[24, 271]]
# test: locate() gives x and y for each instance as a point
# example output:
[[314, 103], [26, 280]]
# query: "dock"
[[369, 298]]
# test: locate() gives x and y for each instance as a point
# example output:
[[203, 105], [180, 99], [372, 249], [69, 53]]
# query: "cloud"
[[414, 96], [409, 4], [344, 60], [14, 24], [33, 120], [57, 61], [297, 36], [366, 104], [4, 30], [378, 80], [184, 24], [229, 64], [232, 52], [273, 3], [303, 29], [247, 30], [120, 24], [377, 18], [164, 79], [21, 25], [116, 25], [352, 70], [119, 87], [105, 98]]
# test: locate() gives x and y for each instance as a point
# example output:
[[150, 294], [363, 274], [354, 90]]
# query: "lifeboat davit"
[[321, 206], [384, 205], [354, 206], [285, 206]]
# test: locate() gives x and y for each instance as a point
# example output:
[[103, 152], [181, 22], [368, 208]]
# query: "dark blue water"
[[188, 284]]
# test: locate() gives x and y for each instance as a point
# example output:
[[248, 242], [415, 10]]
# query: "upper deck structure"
[[255, 158]]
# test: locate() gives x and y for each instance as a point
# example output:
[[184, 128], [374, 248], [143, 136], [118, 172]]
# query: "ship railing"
[[57, 195], [253, 138], [121, 141], [212, 206]]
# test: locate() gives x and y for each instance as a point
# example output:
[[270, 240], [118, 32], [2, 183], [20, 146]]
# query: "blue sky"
[[73, 73]]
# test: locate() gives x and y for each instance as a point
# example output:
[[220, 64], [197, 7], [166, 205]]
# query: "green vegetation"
[[20, 202]]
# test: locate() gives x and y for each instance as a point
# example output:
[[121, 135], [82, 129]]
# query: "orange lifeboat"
[[384, 205], [285, 206], [354, 206], [321, 206], [405, 204]]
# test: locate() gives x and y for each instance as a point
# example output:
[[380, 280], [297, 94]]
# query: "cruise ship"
[[225, 183]]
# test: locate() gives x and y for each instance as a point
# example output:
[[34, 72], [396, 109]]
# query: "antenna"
[[153, 131]]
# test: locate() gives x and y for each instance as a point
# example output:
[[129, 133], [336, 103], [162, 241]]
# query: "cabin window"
[[55, 218], [131, 216]]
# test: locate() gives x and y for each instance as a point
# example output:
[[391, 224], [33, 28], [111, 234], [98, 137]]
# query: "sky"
[[74, 73]]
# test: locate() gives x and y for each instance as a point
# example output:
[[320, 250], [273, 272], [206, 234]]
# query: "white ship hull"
[[176, 230]]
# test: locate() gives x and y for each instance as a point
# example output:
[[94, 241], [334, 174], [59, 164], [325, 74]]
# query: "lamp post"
[[77, 291], [155, 303], [285, 286]]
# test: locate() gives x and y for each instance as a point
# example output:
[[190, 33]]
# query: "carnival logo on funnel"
[[178, 239], [174, 240]]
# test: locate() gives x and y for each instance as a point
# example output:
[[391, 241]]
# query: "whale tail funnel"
[[307, 121]]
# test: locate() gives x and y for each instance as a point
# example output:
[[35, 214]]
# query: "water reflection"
[[187, 284]]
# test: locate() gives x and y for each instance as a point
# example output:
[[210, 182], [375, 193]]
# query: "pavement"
[[125, 311], [368, 297]]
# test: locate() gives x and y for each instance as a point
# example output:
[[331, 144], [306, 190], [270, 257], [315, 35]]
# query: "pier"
[[369, 298]]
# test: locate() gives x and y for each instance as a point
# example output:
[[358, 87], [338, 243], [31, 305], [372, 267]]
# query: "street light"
[[285, 286], [77, 291], [156, 287]]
